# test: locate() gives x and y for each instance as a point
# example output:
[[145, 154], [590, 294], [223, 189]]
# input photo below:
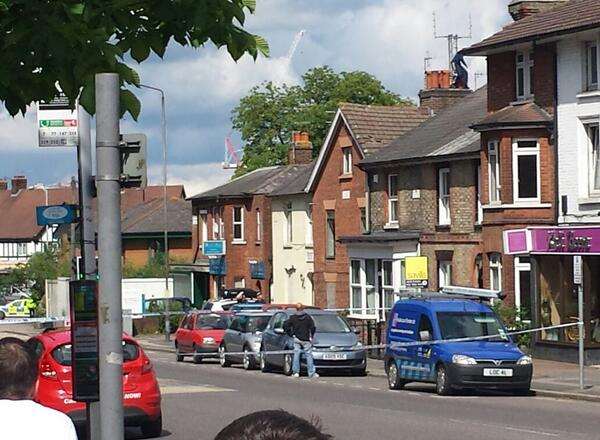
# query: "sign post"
[[57, 123], [578, 281], [417, 274]]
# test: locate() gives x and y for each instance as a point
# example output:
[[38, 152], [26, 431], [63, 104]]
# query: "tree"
[[268, 114], [46, 43]]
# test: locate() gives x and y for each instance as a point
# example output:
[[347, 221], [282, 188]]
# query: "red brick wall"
[[543, 76], [328, 193]]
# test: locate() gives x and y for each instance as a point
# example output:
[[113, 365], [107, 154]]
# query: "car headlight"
[[358, 344], [525, 360], [208, 340], [461, 359]]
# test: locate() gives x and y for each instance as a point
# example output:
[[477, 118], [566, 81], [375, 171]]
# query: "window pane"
[[357, 298], [388, 298], [355, 266], [393, 211], [387, 273], [330, 234], [527, 144], [592, 65], [237, 231], [370, 272], [393, 186], [237, 214], [527, 175], [371, 298], [531, 88], [493, 158], [525, 293], [520, 82], [595, 157]]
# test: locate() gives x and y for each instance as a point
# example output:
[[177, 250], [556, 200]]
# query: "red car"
[[201, 333], [141, 394]]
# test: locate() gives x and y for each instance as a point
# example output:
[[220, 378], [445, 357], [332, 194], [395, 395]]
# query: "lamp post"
[[163, 124]]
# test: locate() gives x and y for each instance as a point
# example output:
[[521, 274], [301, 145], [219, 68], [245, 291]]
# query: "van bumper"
[[472, 376]]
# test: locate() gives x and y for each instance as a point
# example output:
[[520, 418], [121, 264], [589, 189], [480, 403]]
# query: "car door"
[[232, 335], [182, 335], [280, 339], [423, 353]]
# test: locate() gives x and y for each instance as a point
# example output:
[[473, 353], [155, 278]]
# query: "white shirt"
[[28, 420]]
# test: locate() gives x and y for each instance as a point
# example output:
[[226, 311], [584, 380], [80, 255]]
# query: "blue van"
[[495, 363]]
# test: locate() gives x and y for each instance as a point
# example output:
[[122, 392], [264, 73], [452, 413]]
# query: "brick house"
[[338, 188], [518, 149], [423, 199]]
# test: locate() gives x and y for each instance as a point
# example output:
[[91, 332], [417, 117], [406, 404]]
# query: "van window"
[[455, 325], [425, 325]]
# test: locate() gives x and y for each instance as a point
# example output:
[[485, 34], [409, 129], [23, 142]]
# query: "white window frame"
[[346, 160], [309, 224], [444, 273], [495, 266], [494, 170], [392, 200], [259, 230], [444, 216], [526, 65], [387, 289], [288, 211], [364, 311], [593, 192], [235, 223], [520, 267], [21, 249], [587, 65], [479, 219], [518, 152], [215, 224]]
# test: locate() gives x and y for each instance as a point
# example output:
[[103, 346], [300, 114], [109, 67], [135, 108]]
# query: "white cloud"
[[195, 178], [18, 133]]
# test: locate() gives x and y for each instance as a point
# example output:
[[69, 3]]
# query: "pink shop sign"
[[574, 241]]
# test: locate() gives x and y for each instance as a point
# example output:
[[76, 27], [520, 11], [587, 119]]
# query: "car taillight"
[[146, 366], [47, 371]]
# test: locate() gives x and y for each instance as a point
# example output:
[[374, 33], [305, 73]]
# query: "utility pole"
[[110, 325], [87, 235]]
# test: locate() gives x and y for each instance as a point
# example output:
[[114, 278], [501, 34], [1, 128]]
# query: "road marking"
[[510, 428], [191, 389]]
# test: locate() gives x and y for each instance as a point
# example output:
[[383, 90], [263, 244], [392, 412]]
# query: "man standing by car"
[[301, 327], [18, 380]]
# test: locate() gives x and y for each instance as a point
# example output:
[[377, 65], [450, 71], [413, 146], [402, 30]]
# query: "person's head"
[[299, 307], [18, 369], [272, 425]]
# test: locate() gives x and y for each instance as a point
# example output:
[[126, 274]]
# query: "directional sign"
[[55, 214], [57, 123]]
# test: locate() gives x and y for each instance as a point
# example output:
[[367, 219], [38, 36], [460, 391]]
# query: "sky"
[[387, 38]]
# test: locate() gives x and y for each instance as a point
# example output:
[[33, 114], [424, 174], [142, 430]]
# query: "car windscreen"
[[62, 353], [257, 323], [330, 324], [212, 322], [457, 325]]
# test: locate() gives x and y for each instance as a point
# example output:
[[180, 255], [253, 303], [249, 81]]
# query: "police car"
[[478, 352]]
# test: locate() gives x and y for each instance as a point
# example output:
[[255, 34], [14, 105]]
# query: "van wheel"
[[197, 358], [179, 356], [287, 364], [442, 381], [393, 375], [222, 358], [152, 429], [264, 364]]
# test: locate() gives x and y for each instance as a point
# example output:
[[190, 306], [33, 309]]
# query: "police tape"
[[43, 320], [393, 345]]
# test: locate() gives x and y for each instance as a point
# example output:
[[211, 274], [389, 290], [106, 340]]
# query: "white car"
[[221, 305]]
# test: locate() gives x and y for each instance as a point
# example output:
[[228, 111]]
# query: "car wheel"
[[264, 364], [152, 429], [178, 356], [287, 364], [249, 362], [197, 357], [222, 358], [393, 376], [442, 381], [526, 391], [2, 315], [360, 372]]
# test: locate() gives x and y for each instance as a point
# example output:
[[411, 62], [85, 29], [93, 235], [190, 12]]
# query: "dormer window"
[[524, 70]]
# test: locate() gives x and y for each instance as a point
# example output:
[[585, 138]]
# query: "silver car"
[[244, 336]]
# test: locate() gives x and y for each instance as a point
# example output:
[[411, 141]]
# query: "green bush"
[[515, 319]]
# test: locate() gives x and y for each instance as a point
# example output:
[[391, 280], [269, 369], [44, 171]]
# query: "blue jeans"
[[306, 348]]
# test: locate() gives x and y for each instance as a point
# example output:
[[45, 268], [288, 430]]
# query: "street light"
[[163, 124]]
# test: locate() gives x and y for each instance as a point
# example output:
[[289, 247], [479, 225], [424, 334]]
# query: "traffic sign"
[[57, 123], [55, 214]]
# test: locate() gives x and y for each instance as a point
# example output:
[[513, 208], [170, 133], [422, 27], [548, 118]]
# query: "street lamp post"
[[163, 124]]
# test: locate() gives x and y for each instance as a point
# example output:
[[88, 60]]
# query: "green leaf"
[[262, 45], [87, 98], [130, 103], [77, 8], [250, 4], [139, 50]]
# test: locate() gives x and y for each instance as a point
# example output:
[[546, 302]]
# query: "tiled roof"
[[294, 181], [574, 16], [527, 113], [447, 133], [374, 126], [147, 218]]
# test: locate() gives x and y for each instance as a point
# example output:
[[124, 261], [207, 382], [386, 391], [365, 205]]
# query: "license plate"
[[498, 372], [334, 356]]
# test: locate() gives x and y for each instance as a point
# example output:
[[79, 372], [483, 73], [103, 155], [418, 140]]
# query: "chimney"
[[520, 9], [3, 184], [17, 184], [300, 150], [439, 92]]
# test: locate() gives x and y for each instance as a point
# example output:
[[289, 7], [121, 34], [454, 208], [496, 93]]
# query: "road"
[[199, 400]]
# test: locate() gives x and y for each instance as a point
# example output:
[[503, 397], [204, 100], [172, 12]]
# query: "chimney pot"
[[18, 183], [300, 150]]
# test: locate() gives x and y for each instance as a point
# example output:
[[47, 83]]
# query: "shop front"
[[562, 260]]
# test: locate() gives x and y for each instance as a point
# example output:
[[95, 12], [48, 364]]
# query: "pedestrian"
[[30, 305], [23, 418], [301, 327], [272, 425]]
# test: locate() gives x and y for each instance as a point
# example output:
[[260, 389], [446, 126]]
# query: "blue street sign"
[[257, 270], [213, 247], [55, 214], [217, 266]]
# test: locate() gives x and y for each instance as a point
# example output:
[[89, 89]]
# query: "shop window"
[[289, 225], [444, 196], [591, 288], [238, 223], [523, 287], [526, 166], [393, 199], [444, 273], [495, 271], [330, 235], [593, 142], [524, 72], [591, 65], [494, 171], [347, 160]]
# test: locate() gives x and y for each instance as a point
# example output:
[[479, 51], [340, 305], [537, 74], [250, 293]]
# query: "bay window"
[[444, 196], [526, 171]]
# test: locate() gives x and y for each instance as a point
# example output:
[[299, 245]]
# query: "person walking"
[[301, 327], [26, 419]]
